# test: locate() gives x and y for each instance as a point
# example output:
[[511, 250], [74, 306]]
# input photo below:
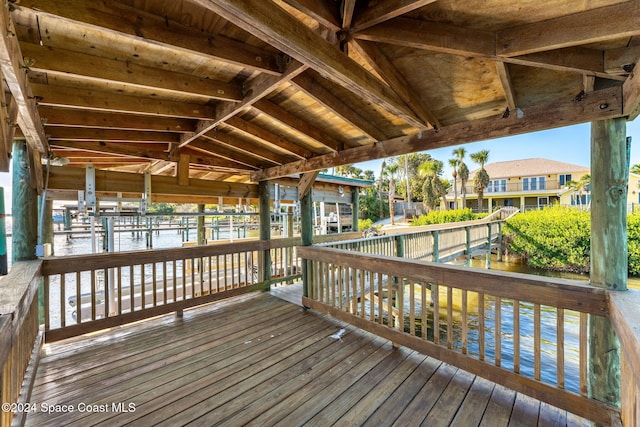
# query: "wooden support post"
[[265, 226], [355, 207], [489, 243], [47, 232], [400, 245], [500, 248], [306, 234], [25, 207], [609, 176], [200, 233], [467, 230]]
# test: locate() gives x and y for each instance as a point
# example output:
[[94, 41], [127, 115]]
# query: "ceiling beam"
[[507, 85], [437, 37], [267, 21], [142, 151], [320, 94], [383, 66], [631, 92], [381, 11], [254, 90], [58, 133], [61, 178], [65, 62], [598, 105], [287, 119], [250, 147], [220, 150], [87, 99], [622, 20], [91, 119], [318, 10], [132, 25], [13, 71], [348, 7], [622, 60], [275, 142]]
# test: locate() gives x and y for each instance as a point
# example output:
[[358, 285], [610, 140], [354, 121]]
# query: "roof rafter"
[[507, 85], [269, 22], [383, 66], [249, 147], [58, 133], [319, 11], [595, 106], [325, 97], [571, 30], [62, 61], [12, 67], [127, 22], [377, 12]]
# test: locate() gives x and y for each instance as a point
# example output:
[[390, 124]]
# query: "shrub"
[[365, 224], [440, 217]]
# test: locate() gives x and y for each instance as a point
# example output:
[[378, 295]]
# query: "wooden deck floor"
[[258, 360]]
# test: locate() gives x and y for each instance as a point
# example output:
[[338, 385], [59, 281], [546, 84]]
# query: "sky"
[[569, 144]]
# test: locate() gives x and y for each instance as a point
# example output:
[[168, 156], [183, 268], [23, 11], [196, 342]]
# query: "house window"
[[534, 183], [543, 201], [564, 178], [497, 186]]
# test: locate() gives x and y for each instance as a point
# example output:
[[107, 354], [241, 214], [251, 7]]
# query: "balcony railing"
[[517, 187]]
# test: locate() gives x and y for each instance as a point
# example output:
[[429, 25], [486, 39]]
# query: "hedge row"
[[558, 238]]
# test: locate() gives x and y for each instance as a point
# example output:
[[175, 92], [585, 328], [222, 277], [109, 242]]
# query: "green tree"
[[635, 169], [580, 186], [434, 188], [455, 163], [463, 173], [481, 180]]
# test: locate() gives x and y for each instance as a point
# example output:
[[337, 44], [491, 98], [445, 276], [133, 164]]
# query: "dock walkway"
[[259, 360]]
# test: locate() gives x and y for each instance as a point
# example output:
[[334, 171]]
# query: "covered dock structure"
[[193, 101]]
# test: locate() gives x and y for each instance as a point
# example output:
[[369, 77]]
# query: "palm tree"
[[455, 163], [433, 186], [635, 169], [392, 169], [481, 180], [463, 173], [580, 186]]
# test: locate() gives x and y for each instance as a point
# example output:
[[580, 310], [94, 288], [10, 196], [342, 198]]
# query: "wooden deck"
[[259, 360]]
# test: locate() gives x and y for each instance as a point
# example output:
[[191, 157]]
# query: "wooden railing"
[[20, 340], [512, 329], [85, 293], [439, 243], [625, 318]]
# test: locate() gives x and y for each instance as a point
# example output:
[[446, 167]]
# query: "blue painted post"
[[25, 207]]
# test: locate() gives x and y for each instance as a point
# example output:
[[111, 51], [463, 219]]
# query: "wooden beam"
[[221, 150], [381, 11], [248, 147], [183, 169], [64, 62], [324, 96], [144, 151], [13, 71], [5, 124], [599, 105], [348, 7], [374, 56], [58, 133], [267, 21], [507, 86], [453, 40], [318, 10], [87, 99], [77, 118], [306, 183], [621, 61], [432, 36], [297, 124], [131, 25], [255, 90], [631, 93], [64, 178], [277, 143], [571, 30]]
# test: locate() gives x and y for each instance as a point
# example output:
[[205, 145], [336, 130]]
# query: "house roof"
[[529, 167], [244, 91]]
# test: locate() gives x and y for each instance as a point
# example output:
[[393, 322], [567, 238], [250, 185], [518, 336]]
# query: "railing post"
[[467, 230], [436, 249], [265, 227], [306, 234], [489, 243], [500, 248], [400, 246]]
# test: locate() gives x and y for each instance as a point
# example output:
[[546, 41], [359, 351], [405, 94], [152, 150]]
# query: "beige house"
[[527, 184]]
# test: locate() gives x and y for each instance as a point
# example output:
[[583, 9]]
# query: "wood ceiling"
[[247, 90]]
